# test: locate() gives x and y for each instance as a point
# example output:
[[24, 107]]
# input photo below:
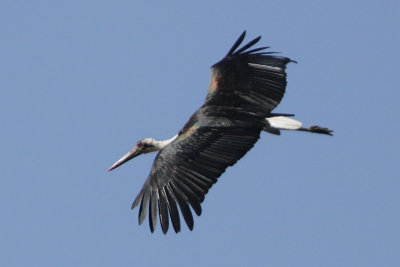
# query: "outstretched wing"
[[185, 170], [248, 78], [245, 86]]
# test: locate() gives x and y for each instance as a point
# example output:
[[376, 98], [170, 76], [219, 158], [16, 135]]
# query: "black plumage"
[[245, 86], [217, 135]]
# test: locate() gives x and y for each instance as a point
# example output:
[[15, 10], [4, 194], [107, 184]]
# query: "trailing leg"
[[276, 123]]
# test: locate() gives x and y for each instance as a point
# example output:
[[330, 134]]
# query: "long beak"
[[128, 156]]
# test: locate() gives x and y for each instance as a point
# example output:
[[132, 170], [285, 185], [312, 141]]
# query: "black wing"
[[245, 86], [249, 78], [184, 171]]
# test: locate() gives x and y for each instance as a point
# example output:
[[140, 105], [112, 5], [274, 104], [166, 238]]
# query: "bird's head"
[[143, 146]]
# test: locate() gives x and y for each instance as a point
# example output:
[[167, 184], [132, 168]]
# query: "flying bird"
[[245, 86]]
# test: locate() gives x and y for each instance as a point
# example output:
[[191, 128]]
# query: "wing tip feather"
[[236, 44]]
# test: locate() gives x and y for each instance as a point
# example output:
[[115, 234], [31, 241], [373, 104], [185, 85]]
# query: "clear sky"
[[82, 81]]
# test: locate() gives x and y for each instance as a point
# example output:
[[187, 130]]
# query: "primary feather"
[[245, 86]]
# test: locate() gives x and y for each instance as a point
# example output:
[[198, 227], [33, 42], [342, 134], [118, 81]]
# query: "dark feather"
[[173, 209], [183, 205], [153, 210], [257, 49], [250, 44], [237, 43], [189, 195], [163, 210], [245, 87], [143, 207]]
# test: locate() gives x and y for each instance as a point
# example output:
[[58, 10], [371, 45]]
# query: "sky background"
[[82, 81]]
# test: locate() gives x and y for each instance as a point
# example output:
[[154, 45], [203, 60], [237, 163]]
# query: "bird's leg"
[[276, 123], [316, 129]]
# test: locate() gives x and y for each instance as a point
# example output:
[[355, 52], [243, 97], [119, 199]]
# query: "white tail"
[[284, 123]]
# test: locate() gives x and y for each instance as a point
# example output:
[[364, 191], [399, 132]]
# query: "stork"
[[245, 86]]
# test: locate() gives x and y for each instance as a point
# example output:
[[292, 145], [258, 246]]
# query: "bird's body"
[[245, 86]]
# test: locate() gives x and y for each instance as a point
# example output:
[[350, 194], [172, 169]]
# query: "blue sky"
[[82, 81]]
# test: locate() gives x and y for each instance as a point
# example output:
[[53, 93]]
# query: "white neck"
[[163, 143]]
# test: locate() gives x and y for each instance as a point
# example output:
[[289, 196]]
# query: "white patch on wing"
[[265, 67], [284, 123]]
